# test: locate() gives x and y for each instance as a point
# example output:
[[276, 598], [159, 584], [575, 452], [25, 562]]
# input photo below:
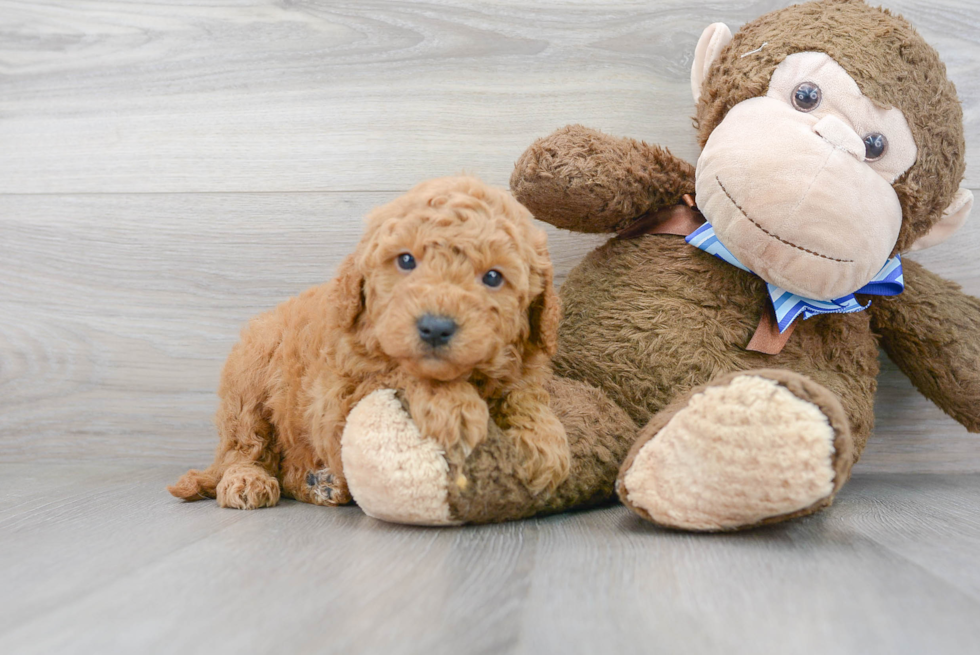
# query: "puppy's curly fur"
[[288, 386]]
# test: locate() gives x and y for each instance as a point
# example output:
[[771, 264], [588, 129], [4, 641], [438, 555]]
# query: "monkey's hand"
[[932, 333], [586, 181]]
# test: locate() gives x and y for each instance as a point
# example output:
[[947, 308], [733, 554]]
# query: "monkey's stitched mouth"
[[774, 236]]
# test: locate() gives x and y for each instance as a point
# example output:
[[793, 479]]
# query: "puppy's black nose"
[[436, 330]]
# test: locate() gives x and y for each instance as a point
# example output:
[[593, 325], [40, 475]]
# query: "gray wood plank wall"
[[168, 170]]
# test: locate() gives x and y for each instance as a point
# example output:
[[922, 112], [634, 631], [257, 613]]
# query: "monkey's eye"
[[405, 262], [874, 146], [493, 278], [806, 97]]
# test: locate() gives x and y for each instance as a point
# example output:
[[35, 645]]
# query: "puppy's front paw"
[[454, 416], [547, 458], [393, 472], [474, 419]]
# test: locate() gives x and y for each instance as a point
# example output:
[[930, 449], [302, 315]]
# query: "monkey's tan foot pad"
[[742, 452], [394, 474]]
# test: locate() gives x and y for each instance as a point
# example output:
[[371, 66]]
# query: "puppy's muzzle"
[[436, 330]]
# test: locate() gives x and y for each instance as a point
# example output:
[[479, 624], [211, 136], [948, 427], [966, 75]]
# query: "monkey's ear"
[[952, 220], [714, 37]]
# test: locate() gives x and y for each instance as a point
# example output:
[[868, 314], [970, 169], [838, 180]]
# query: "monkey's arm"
[[583, 180], [932, 332]]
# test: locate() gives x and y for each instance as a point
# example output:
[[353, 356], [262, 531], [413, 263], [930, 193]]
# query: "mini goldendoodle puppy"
[[448, 299]]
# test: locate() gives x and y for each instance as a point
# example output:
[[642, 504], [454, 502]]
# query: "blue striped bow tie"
[[788, 306]]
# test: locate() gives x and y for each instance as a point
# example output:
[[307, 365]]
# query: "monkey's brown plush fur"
[[652, 321], [290, 383], [653, 340]]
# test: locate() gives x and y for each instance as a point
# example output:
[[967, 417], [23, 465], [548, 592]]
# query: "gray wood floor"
[[169, 169], [96, 559]]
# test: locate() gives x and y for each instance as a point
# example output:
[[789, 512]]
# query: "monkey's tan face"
[[798, 183], [445, 296]]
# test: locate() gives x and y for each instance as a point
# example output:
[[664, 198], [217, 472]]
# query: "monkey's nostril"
[[436, 330]]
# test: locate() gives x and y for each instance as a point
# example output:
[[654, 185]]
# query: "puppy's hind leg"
[[244, 472], [241, 476], [308, 480], [247, 486]]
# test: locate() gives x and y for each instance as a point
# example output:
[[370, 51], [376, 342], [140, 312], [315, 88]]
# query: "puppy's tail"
[[195, 485]]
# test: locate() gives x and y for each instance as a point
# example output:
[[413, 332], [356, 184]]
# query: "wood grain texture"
[[97, 559], [253, 95], [119, 310]]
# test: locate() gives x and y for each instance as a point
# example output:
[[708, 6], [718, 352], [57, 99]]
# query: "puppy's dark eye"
[[875, 146], [806, 96], [405, 262], [493, 278]]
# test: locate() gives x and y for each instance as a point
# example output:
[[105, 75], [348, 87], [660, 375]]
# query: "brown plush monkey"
[[832, 142]]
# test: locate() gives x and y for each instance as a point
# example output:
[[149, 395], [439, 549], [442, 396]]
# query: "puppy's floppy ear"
[[347, 294], [545, 311]]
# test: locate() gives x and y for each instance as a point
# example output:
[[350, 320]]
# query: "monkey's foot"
[[394, 474], [748, 449]]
